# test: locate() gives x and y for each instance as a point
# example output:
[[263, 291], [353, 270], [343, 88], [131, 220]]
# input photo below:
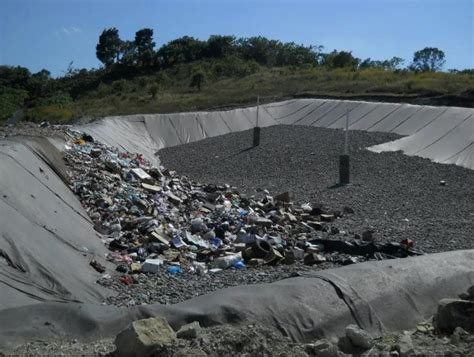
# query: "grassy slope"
[[133, 97]]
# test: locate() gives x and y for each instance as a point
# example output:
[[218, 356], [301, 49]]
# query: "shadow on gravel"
[[338, 185], [238, 153], [245, 150]]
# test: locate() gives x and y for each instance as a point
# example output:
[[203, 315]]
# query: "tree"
[[129, 53], [428, 59], [220, 46], [184, 49], [391, 64], [14, 77], [197, 79], [260, 49], [394, 63], [144, 46], [340, 59], [38, 83], [109, 47]]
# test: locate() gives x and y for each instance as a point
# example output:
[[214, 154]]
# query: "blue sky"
[[50, 33]]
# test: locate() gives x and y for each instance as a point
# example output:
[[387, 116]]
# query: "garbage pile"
[[151, 218]]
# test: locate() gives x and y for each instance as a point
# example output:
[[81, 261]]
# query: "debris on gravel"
[[165, 230], [31, 129], [396, 196]]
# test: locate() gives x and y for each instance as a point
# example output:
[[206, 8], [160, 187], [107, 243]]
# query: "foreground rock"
[[189, 331], [144, 337], [453, 313], [359, 337], [404, 346]]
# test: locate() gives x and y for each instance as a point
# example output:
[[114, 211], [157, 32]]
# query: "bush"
[[120, 86], [198, 78], [51, 113], [103, 90], [153, 90], [59, 99], [10, 101], [233, 66]]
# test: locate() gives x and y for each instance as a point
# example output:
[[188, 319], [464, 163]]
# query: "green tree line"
[[218, 56]]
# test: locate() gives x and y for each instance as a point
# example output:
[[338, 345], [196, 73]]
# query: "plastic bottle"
[[239, 264], [227, 261], [174, 269]]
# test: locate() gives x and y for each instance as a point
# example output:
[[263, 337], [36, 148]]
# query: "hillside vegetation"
[[223, 72]]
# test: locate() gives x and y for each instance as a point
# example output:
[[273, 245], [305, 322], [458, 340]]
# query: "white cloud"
[[70, 30]]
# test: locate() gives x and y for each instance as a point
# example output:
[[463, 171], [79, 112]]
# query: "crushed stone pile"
[[397, 196]]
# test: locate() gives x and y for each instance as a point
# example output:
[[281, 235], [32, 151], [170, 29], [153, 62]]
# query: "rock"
[[458, 335], [283, 197], [368, 235], [404, 346], [348, 210], [189, 331], [324, 348], [454, 313], [317, 209], [470, 292], [359, 337], [143, 337]]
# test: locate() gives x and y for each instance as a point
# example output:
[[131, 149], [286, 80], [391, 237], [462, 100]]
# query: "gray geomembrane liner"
[[442, 134]]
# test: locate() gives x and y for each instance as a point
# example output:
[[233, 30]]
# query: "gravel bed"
[[165, 288], [398, 196], [64, 348]]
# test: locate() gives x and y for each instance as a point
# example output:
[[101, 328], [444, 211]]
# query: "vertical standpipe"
[[344, 162], [256, 129]]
